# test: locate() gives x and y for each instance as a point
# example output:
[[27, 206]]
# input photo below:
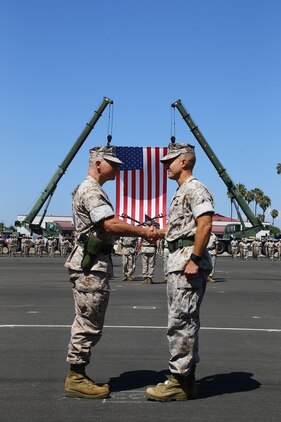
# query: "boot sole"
[[162, 399], [78, 395]]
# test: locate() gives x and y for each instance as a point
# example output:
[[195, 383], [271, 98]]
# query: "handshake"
[[151, 234]]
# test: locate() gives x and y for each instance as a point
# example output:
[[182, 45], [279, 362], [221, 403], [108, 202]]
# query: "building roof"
[[218, 229], [219, 217], [65, 225]]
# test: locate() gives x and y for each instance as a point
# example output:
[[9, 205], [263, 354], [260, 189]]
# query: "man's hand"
[[191, 269], [150, 234]]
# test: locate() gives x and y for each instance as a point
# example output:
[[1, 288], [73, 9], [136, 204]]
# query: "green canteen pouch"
[[92, 247]]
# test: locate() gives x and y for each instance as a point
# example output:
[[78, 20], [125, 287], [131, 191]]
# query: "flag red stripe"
[[118, 196], [157, 180], [149, 180], [133, 208], [140, 192]]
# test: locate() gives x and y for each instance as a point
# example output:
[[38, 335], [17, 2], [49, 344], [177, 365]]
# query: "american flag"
[[141, 183]]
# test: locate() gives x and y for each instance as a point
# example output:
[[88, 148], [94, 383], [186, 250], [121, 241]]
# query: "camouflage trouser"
[[129, 264], [91, 295], [213, 259], [165, 260], [234, 251], [148, 264], [184, 300]]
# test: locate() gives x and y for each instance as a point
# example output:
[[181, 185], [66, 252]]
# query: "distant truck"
[[234, 230]]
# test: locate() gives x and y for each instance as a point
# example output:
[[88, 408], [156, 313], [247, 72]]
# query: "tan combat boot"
[[78, 384], [175, 388]]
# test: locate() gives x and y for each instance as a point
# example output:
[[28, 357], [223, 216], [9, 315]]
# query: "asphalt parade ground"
[[239, 376]]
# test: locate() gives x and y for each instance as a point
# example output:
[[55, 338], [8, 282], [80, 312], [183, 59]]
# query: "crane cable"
[[173, 125], [110, 123]]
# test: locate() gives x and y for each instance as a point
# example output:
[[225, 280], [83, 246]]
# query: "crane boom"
[[231, 187], [51, 186]]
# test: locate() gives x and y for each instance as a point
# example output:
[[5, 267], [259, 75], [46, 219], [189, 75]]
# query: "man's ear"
[[184, 163], [97, 164]]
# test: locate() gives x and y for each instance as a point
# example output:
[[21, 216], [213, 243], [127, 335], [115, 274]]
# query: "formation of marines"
[[271, 249]]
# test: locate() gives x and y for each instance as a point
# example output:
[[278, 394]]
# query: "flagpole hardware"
[[109, 139]]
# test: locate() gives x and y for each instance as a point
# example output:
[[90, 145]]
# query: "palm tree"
[[260, 217], [274, 214], [258, 194], [230, 196], [278, 168], [249, 196], [242, 189], [264, 203]]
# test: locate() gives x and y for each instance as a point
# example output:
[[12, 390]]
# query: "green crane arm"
[[51, 186], [217, 164]]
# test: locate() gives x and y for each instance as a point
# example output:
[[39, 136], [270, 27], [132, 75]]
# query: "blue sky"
[[59, 58]]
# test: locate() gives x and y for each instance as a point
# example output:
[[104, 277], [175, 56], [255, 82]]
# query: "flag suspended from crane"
[[141, 183]]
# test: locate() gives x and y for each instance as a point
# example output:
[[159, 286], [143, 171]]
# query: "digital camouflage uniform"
[[278, 246], [128, 256], [52, 244], [255, 250], [234, 248], [165, 259], [90, 290], [12, 245], [148, 256], [244, 249], [190, 201], [2, 243], [212, 248]]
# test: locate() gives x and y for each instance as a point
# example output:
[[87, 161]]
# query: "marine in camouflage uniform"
[[255, 250], [12, 245], [212, 248], [165, 260], [148, 257], [2, 243], [234, 248], [128, 250], [52, 244], [189, 264], [93, 216]]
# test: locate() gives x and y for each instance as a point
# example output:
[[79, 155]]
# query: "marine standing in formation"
[[128, 250], [90, 267], [148, 257], [189, 264], [234, 244], [212, 248]]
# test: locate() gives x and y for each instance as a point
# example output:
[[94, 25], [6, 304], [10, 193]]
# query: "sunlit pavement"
[[239, 376]]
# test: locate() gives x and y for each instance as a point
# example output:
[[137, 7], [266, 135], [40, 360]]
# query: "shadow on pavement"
[[234, 382], [213, 385], [133, 380]]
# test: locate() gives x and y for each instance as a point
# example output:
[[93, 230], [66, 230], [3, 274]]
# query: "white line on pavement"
[[142, 327]]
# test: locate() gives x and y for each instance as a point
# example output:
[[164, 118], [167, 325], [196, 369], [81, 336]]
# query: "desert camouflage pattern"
[[148, 258], [90, 290], [128, 250], [184, 300], [91, 295], [91, 205], [191, 200]]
